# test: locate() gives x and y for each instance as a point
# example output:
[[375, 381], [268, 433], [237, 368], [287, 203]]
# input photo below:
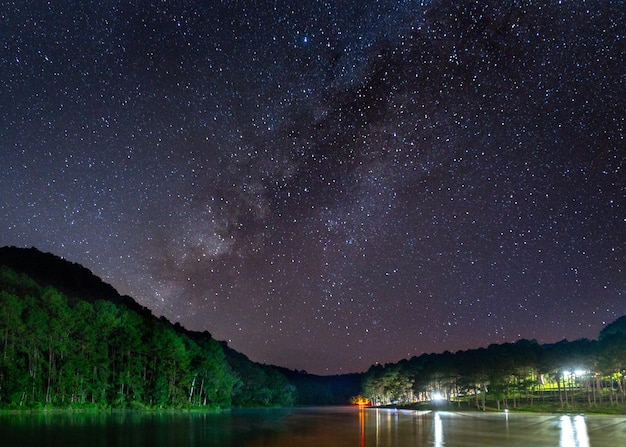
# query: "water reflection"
[[574, 431], [384, 428], [362, 425], [310, 427], [392, 427], [438, 430]]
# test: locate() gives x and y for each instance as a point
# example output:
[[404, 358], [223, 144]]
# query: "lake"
[[309, 427]]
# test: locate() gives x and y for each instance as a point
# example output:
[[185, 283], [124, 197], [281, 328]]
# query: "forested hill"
[[73, 280], [67, 339], [583, 373]]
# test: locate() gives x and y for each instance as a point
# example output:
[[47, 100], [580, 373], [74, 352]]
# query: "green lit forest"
[[588, 374], [68, 340], [59, 353]]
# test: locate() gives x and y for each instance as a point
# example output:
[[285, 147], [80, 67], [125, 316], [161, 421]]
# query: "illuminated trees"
[[58, 354], [13, 370], [568, 374], [98, 349], [211, 378], [390, 384], [612, 362]]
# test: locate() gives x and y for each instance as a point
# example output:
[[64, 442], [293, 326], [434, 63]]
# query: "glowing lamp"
[[437, 396]]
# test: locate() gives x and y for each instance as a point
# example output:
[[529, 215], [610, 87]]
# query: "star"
[[327, 187]]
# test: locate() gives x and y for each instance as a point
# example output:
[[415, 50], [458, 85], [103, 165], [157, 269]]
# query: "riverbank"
[[94, 410], [536, 407]]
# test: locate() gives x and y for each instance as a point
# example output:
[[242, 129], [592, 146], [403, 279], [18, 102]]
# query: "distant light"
[[360, 401], [437, 396], [576, 373]]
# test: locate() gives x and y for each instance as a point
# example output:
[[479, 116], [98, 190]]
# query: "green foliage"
[[79, 343], [259, 385], [101, 350], [99, 354], [581, 372], [618, 327]]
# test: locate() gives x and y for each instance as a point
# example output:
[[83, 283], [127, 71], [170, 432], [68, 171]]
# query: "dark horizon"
[[330, 185], [79, 283]]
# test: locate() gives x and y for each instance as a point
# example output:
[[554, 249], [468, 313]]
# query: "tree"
[[127, 344], [169, 364], [13, 377], [212, 381]]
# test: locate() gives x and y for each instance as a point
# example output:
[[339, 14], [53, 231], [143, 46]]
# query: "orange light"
[[360, 401]]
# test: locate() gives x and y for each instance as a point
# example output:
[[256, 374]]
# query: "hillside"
[[66, 294], [70, 340]]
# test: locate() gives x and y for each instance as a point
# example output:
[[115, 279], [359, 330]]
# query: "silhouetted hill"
[[618, 327], [69, 340], [324, 390], [258, 384], [73, 280]]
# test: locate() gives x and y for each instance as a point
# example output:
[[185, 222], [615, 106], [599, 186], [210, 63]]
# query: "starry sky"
[[326, 184]]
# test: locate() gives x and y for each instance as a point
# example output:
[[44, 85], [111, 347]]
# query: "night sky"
[[327, 184]]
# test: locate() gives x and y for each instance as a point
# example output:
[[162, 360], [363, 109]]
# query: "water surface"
[[309, 427]]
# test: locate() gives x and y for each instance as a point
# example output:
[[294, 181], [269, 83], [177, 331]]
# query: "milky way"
[[326, 185]]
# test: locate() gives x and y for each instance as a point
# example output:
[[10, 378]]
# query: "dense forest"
[[581, 373], [68, 340]]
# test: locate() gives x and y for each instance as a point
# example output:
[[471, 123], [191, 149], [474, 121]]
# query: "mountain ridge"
[[77, 283], [74, 280]]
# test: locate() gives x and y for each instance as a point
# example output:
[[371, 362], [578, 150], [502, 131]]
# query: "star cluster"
[[327, 184]]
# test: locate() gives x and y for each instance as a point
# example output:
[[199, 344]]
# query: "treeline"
[[103, 353], [67, 339], [323, 390], [84, 295], [565, 374]]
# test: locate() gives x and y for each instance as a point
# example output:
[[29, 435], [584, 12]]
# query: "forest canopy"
[[60, 352], [68, 340], [589, 373]]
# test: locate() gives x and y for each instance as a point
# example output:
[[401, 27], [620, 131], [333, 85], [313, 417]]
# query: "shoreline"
[[614, 410]]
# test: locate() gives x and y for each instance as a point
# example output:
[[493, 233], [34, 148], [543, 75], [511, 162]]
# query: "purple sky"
[[331, 184]]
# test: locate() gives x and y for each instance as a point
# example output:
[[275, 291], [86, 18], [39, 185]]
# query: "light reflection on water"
[[574, 431], [384, 428], [438, 430], [308, 427]]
